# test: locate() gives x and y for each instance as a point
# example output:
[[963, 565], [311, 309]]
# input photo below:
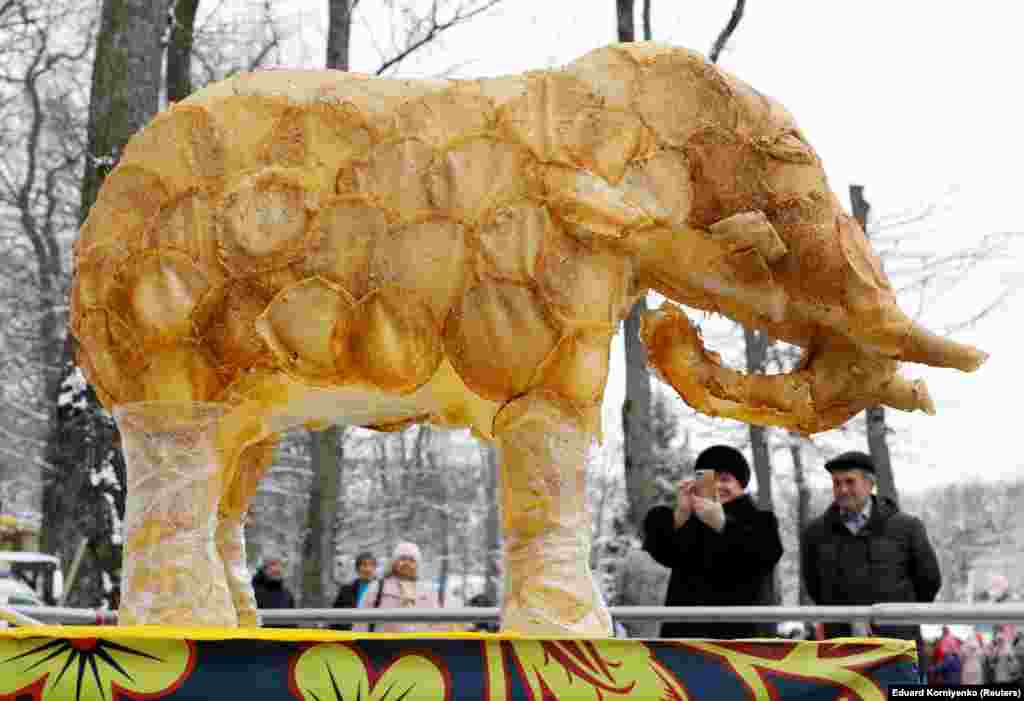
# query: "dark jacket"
[[270, 594], [731, 568], [947, 671], [483, 601], [347, 599], [889, 560]]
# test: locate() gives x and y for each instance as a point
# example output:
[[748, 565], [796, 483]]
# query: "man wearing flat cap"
[[863, 550], [722, 550]]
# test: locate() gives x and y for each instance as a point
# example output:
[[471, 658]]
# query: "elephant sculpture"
[[293, 248]]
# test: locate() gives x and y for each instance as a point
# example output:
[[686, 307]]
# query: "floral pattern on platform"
[[63, 664], [339, 672], [847, 667], [93, 669], [581, 669]]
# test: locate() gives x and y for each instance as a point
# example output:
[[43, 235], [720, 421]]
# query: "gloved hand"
[[710, 512]]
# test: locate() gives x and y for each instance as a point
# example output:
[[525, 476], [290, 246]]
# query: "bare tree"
[[182, 17], [492, 531], [339, 32], [317, 583], [41, 94], [224, 44], [803, 505], [626, 26], [413, 29], [126, 85], [878, 444], [727, 30]]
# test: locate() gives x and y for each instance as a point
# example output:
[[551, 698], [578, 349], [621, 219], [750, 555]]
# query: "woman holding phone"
[[721, 548]]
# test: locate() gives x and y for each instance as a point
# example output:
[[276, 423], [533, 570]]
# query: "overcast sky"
[[920, 102]]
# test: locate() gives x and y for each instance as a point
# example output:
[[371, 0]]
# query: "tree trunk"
[[877, 429], [492, 546], [125, 95], [339, 33], [125, 85], [446, 553], [626, 26], [179, 50], [465, 529], [757, 350], [638, 463], [329, 499], [318, 563], [803, 507], [727, 31]]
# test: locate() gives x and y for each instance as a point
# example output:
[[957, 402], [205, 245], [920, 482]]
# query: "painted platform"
[[110, 663]]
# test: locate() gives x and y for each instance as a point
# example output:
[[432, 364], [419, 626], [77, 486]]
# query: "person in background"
[[350, 594], [863, 550], [947, 670], [268, 585], [721, 551], [972, 661], [1002, 663], [947, 644], [400, 588], [482, 601]]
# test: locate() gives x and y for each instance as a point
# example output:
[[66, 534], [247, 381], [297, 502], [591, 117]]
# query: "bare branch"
[[417, 36], [985, 311], [726, 33], [272, 43]]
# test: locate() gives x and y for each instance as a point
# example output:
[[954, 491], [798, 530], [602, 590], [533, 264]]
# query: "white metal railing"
[[9, 615], [882, 614]]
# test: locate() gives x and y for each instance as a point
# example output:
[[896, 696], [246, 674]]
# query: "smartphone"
[[706, 485]]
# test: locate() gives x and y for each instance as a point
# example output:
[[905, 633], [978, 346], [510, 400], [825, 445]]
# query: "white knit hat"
[[406, 550]]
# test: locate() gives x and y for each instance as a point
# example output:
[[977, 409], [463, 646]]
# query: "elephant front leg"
[[172, 574], [254, 463], [549, 586]]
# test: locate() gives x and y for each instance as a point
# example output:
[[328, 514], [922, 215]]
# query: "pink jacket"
[[972, 670], [392, 597]]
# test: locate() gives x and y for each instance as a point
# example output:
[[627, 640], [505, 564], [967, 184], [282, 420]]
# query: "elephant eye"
[[790, 146]]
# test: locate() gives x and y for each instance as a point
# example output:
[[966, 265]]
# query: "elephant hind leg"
[[550, 588], [254, 463]]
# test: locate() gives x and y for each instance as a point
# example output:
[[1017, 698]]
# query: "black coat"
[[271, 594], [346, 599], [731, 568], [889, 560]]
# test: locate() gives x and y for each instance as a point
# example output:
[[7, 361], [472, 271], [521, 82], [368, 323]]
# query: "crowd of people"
[[715, 547], [400, 587], [975, 660]]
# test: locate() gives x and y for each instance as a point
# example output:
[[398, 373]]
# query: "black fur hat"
[[724, 458], [851, 460]]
